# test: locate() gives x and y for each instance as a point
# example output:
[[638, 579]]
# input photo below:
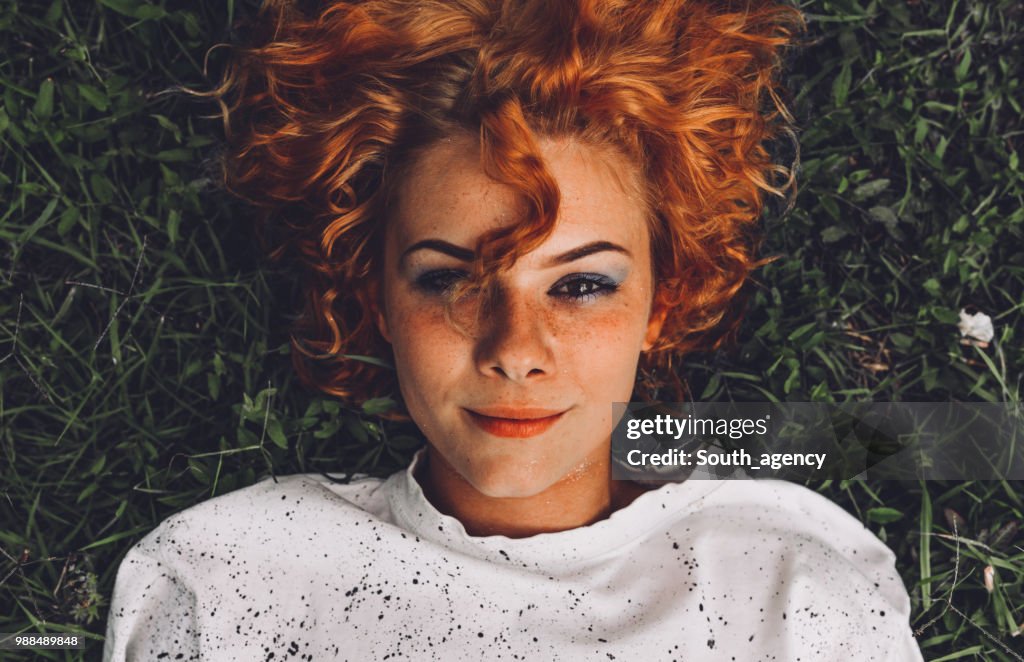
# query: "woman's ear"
[[382, 323], [659, 311]]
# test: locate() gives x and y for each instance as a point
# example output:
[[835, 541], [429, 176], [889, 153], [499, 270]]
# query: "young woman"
[[517, 203]]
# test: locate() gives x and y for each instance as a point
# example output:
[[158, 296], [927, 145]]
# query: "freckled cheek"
[[600, 343], [427, 348]]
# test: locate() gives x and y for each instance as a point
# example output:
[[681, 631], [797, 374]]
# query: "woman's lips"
[[515, 423]]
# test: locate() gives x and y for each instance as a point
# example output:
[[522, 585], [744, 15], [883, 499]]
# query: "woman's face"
[[520, 398]]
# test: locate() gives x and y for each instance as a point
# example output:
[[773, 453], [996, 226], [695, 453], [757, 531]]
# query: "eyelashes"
[[438, 281], [574, 288], [583, 287]]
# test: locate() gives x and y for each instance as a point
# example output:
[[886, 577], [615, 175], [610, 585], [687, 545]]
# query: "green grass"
[[143, 348]]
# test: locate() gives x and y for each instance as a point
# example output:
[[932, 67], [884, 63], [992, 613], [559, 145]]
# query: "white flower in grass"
[[975, 328]]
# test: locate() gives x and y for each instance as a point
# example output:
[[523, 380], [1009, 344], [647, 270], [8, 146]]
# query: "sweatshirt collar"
[[624, 527]]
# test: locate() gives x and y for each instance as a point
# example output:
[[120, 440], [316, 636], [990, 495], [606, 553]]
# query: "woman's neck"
[[582, 498]]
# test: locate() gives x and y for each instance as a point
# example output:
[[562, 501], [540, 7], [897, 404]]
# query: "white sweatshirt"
[[307, 569]]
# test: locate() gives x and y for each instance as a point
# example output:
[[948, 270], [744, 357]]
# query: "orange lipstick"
[[514, 423]]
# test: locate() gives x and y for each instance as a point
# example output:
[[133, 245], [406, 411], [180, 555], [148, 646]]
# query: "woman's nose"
[[513, 340]]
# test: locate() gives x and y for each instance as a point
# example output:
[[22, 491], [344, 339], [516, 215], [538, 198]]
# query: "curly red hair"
[[326, 111]]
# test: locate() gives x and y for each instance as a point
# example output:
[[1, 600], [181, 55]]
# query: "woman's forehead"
[[447, 194]]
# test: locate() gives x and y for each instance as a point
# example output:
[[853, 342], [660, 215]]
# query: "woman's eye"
[[439, 281], [583, 287]]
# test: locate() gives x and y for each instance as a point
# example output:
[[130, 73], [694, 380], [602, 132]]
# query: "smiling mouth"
[[515, 424]]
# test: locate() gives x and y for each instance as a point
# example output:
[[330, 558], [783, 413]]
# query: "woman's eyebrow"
[[466, 255], [585, 250], [458, 252]]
